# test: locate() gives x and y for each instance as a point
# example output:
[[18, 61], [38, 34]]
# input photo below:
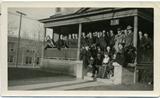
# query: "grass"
[[25, 76], [122, 87]]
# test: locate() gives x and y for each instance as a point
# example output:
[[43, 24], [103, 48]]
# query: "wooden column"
[[53, 34], [135, 37], [43, 45], [79, 40]]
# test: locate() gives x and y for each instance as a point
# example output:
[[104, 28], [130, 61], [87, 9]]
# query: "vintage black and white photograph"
[[75, 49], [81, 48]]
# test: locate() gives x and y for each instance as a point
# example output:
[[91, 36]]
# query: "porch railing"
[[65, 54]]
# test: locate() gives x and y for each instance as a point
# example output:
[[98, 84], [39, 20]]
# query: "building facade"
[[28, 53]]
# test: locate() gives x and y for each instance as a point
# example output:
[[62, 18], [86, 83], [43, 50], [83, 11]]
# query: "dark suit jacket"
[[98, 61], [85, 56], [69, 43], [147, 43], [112, 41], [83, 41], [60, 43], [129, 40], [103, 42], [120, 57], [141, 42], [90, 41]]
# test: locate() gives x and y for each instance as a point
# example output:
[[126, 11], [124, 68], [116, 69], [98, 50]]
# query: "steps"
[[105, 80], [108, 81]]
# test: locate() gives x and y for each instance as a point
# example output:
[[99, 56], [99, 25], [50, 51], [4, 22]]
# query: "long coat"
[[118, 39], [129, 40], [120, 57], [85, 55]]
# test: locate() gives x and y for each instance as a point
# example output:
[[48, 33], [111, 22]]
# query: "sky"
[[29, 22]]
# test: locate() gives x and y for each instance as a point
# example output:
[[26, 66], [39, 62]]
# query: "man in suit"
[[73, 40], [83, 39], [85, 56], [140, 53], [69, 41], [129, 37], [98, 63], [76, 40], [90, 40], [119, 38], [147, 45], [111, 41], [108, 38], [60, 42], [102, 40]]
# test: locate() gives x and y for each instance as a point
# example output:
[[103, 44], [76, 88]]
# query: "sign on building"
[[114, 22]]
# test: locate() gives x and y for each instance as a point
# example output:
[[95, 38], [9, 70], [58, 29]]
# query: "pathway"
[[67, 85]]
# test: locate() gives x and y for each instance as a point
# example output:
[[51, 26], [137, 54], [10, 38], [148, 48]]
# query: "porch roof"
[[85, 15]]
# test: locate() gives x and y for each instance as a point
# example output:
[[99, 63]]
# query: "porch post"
[[79, 71], [135, 31], [53, 34], [43, 45], [135, 45], [79, 40]]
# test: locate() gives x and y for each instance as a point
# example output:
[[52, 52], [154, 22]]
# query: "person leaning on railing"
[[49, 43]]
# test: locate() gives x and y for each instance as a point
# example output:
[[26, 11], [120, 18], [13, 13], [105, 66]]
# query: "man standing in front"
[[129, 38], [85, 56]]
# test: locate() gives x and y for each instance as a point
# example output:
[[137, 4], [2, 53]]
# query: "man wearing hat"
[[102, 41], [147, 47], [119, 38], [85, 56], [129, 37]]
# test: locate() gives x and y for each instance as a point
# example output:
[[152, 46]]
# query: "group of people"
[[63, 42], [100, 49]]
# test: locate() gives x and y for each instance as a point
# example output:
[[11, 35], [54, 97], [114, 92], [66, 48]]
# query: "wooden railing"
[[65, 54], [145, 72]]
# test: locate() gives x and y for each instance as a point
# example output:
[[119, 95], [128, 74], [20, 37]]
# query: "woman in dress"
[[104, 69]]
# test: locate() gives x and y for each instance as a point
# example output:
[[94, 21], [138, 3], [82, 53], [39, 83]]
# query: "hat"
[[129, 27], [119, 29]]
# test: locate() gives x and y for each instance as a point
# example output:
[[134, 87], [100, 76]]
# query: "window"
[[58, 9], [28, 60], [30, 50], [38, 60], [11, 46], [10, 59]]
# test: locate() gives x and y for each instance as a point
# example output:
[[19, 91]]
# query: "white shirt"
[[106, 60]]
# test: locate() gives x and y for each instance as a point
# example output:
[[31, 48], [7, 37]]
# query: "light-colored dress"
[[103, 68]]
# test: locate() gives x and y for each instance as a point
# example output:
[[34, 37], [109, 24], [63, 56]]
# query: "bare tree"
[[24, 43], [12, 26], [37, 34]]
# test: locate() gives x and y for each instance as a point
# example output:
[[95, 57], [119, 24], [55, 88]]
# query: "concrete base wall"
[[60, 66], [128, 75]]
